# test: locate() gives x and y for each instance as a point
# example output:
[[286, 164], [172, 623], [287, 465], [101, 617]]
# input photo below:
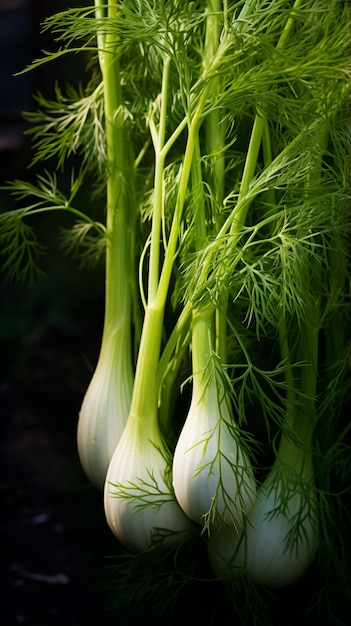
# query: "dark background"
[[53, 534], [56, 547]]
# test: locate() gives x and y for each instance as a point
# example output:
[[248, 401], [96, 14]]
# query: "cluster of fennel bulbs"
[[216, 136]]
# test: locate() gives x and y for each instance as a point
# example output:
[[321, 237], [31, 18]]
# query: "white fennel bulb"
[[212, 475], [105, 407], [140, 506], [280, 538]]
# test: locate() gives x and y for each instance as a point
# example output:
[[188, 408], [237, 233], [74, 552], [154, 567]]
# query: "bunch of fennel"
[[216, 131]]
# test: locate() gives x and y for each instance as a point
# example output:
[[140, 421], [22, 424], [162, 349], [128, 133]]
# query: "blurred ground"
[[54, 537]]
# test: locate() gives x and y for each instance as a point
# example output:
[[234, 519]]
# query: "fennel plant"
[[218, 134]]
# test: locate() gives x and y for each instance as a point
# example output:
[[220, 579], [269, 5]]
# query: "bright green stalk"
[[215, 129], [239, 215], [160, 156], [182, 190], [169, 374], [118, 261], [100, 13]]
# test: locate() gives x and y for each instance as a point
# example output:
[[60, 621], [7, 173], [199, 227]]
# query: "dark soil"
[[54, 535]]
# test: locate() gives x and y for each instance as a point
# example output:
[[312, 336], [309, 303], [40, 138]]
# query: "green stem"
[[201, 335], [298, 456], [118, 257], [295, 446], [270, 195], [158, 188], [288, 26], [301, 415], [143, 410], [182, 190], [201, 340], [176, 337], [100, 7], [215, 145], [288, 373], [240, 213], [198, 198]]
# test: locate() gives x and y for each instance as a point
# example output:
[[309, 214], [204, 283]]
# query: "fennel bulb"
[[105, 407], [212, 476], [140, 508], [280, 538]]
